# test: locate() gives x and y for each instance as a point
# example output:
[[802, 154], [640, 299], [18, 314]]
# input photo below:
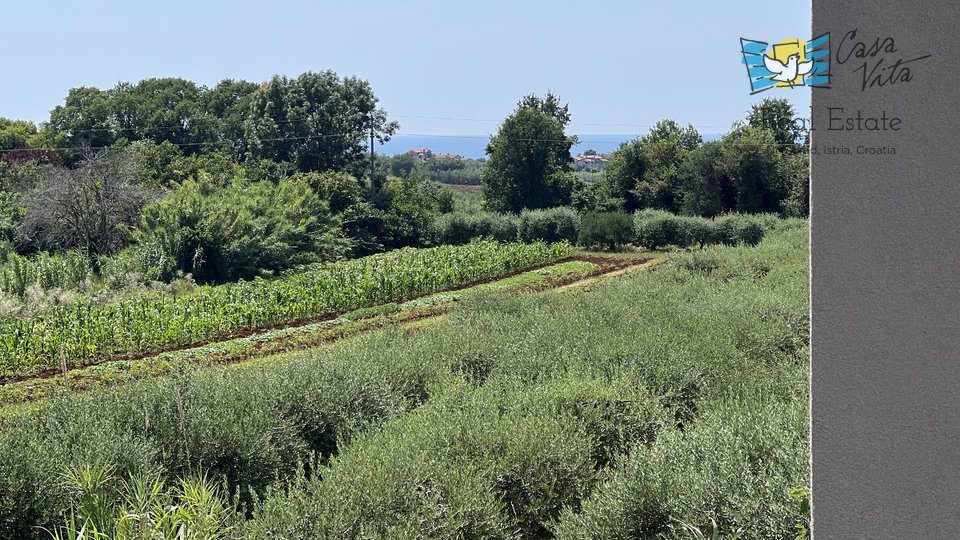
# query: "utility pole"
[[373, 182]]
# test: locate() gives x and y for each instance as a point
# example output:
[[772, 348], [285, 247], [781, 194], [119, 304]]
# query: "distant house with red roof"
[[426, 153], [589, 161], [421, 153]]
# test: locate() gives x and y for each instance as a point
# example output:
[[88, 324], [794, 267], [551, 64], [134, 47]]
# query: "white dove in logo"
[[787, 72]]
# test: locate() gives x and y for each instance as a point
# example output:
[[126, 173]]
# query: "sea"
[[472, 146]]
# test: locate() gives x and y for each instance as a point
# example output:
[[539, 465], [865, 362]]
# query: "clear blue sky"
[[621, 65]]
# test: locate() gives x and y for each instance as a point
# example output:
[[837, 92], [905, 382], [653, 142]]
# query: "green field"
[[662, 404], [148, 322]]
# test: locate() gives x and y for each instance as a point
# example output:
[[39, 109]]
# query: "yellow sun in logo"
[[782, 50]]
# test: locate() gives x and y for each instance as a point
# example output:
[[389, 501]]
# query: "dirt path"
[[80, 377]]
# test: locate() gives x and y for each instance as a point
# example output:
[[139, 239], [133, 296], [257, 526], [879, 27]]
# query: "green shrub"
[[459, 228], [741, 228], [553, 225], [241, 230], [249, 428], [471, 463], [731, 473], [607, 230], [694, 231], [656, 228]]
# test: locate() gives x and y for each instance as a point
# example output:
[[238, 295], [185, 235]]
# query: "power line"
[[571, 122], [118, 129], [343, 135]]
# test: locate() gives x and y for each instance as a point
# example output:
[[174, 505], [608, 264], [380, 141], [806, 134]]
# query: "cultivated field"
[[664, 403], [151, 321]]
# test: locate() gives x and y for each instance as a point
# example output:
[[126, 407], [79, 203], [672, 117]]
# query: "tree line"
[[760, 165], [165, 177]]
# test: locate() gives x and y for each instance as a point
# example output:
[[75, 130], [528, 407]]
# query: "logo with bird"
[[787, 63]]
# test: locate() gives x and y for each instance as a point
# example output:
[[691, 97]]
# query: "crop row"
[[151, 321]]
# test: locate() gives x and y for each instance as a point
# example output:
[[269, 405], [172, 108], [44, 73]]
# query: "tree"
[[318, 121], [752, 163], [594, 197], [403, 165], [795, 171], [626, 166], [645, 172], [706, 186], [85, 119], [529, 164], [87, 206], [16, 133], [549, 104], [229, 102], [668, 130], [226, 230], [778, 116], [163, 110], [707, 190]]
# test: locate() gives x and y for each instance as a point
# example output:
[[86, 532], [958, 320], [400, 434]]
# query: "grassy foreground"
[[640, 408]]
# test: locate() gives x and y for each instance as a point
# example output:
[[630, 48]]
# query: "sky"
[[439, 68]]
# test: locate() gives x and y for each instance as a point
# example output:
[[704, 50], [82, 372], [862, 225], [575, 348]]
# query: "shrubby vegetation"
[[656, 229], [162, 213], [685, 407], [560, 224], [651, 229], [265, 190], [606, 230]]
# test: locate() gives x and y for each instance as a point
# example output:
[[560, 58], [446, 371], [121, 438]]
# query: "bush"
[[459, 228], [746, 229], [730, 474], [250, 428], [552, 225], [607, 230], [241, 230], [471, 464], [656, 228], [694, 231]]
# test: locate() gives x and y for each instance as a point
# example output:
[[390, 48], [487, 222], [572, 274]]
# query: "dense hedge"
[[605, 230], [551, 225], [459, 228], [651, 229], [560, 224], [655, 229]]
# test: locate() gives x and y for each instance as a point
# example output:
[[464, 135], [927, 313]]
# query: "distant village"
[[426, 154], [590, 160]]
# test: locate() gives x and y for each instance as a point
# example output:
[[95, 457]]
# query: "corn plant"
[[150, 321], [141, 507]]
